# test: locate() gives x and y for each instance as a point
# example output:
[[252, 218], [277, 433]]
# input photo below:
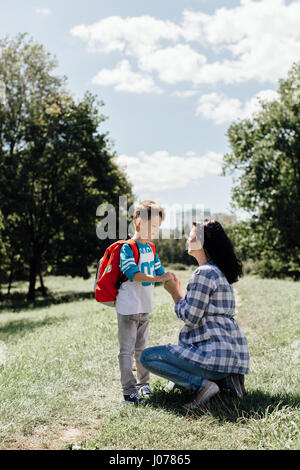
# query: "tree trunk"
[[43, 288], [32, 278], [10, 281]]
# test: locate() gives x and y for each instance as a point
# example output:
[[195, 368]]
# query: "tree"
[[55, 165], [266, 155], [174, 250]]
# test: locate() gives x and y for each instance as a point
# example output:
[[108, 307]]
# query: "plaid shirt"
[[211, 336]]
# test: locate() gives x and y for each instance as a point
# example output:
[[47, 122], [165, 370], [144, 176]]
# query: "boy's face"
[[148, 229]]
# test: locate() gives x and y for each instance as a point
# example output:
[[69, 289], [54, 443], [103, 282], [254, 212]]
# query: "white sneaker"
[[170, 386], [211, 391], [145, 391]]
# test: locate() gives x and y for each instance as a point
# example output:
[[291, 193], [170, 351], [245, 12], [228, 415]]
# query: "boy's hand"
[[165, 277]]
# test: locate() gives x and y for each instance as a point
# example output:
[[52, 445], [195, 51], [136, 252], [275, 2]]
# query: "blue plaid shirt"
[[211, 336]]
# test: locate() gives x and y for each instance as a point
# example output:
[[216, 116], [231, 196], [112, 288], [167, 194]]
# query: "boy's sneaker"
[[145, 391], [133, 399]]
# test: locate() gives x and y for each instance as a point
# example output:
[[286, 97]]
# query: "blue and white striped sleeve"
[[192, 308], [159, 270], [127, 263]]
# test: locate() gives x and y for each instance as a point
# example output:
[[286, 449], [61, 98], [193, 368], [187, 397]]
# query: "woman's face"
[[192, 242]]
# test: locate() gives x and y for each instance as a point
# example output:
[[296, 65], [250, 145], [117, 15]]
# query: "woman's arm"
[[191, 307]]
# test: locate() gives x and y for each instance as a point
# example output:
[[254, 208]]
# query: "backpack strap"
[[136, 255], [153, 248], [135, 250]]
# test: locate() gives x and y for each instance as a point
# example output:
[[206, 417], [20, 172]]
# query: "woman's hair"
[[219, 248]]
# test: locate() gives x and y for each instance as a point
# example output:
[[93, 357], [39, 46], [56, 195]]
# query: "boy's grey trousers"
[[133, 338]]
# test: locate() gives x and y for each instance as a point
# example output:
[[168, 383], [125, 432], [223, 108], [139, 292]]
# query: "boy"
[[134, 300]]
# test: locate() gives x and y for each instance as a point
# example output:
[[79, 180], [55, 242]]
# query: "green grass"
[[60, 386]]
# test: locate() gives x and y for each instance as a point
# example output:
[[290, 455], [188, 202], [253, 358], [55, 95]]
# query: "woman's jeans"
[[160, 361]]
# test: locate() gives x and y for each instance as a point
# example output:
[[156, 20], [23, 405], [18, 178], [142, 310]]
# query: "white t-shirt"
[[136, 297]]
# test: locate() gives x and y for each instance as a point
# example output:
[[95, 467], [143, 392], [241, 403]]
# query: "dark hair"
[[219, 248]]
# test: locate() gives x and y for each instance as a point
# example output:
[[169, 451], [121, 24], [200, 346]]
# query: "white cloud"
[[261, 40], [218, 107], [135, 36], [125, 79], [174, 64], [221, 108], [185, 94], [43, 11], [161, 171], [262, 37]]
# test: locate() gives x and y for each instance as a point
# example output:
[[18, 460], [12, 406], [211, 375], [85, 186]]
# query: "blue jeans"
[[160, 361]]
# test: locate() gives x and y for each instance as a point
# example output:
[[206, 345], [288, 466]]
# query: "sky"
[[173, 75]]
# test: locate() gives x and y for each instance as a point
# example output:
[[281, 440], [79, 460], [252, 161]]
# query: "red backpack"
[[109, 277]]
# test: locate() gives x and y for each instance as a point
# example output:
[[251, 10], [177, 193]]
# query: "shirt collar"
[[210, 261]]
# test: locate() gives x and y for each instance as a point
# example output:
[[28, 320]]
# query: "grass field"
[[60, 387]]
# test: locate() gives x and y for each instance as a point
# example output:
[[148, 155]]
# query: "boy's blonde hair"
[[146, 209]]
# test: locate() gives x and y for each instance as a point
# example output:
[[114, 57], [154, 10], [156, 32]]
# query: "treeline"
[[56, 168], [265, 163]]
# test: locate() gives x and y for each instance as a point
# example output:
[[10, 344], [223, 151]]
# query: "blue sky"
[[173, 75]]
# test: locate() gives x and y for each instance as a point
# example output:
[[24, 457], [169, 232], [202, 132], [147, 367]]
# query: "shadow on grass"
[[225, 407], [18, 302], [17, 328]]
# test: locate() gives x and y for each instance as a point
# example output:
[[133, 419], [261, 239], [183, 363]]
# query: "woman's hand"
[[174, 287], [170, 285], [174, 283]]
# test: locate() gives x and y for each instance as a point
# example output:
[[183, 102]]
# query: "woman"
[[211, 346]]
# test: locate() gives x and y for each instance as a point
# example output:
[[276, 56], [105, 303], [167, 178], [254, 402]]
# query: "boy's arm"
[[141, 277], [129, 267], [160, 274], [159, 270]]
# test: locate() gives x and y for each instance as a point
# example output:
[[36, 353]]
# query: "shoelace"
[[135, 395]]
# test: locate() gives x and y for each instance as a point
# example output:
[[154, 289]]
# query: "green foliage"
[[173, 250], [56, 168], [252, 246], [265, 160]]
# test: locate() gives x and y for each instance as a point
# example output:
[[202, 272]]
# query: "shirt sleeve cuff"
[[159, 271], [130, 272]]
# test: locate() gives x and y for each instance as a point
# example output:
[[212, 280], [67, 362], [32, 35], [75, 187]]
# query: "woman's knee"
[[151, 354], [143, 357]]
